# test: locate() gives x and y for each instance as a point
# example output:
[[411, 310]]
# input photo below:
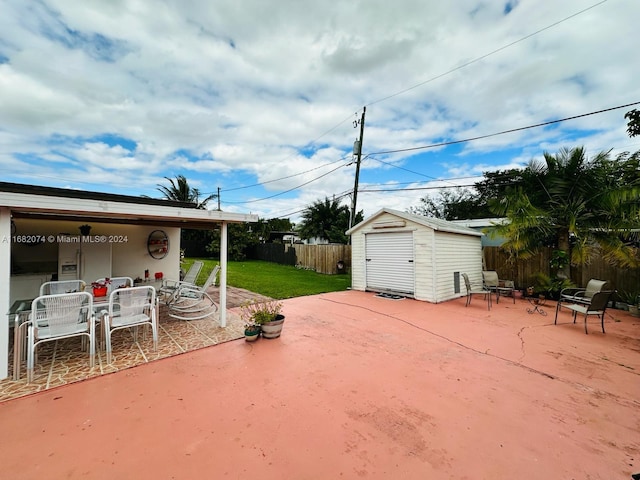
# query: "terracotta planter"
[[273, 329]]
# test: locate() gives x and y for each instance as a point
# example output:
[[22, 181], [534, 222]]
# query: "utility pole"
[[218, 198], [358, 152]]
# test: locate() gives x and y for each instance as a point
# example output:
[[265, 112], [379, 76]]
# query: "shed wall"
[[437, 256], [455, 253], [423, 238]]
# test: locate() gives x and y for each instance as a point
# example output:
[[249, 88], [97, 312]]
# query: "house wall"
[[129, 254], [5, 264]]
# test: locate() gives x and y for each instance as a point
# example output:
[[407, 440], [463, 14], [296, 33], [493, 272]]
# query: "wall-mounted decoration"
[[158, 244]]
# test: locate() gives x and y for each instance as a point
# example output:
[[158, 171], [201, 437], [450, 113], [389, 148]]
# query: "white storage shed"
[[414, 256]]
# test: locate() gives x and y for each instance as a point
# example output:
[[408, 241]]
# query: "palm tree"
[[579, 206], [328, 220], [180, 191]]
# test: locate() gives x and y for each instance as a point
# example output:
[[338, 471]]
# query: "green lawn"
[[274, 280]]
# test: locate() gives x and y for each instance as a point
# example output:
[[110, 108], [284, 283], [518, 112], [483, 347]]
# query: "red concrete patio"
[[356, 387]]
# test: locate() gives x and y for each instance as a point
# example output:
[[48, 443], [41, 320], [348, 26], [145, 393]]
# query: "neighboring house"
[[41, 239], [481, 225], [413, 255]]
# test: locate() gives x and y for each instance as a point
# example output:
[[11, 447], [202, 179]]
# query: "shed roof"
[[429, 222]]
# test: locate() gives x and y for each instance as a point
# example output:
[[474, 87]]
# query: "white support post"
[[5, 280], [223, 274]]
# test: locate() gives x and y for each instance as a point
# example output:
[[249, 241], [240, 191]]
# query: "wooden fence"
[[324, 259], [320, 258], [525, 271]]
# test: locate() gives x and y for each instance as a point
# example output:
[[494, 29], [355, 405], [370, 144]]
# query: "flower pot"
[[251, 334], [99, 291], [274, 328], [634, 310], [251, 337]]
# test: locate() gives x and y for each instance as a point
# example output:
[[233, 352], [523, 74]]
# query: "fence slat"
[[525, 271], [320, 258]]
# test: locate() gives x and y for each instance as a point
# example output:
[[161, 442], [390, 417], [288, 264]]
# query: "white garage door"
[[389, 262]]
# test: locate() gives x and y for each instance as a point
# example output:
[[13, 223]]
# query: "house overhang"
[[61, 204]]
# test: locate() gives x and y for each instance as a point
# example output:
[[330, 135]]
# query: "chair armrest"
[[572, 292]]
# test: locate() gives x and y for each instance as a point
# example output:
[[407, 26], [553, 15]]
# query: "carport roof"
[[30, 201], [430, 222]]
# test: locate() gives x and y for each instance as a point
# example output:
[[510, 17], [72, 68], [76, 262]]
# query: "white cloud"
[[250, 91]]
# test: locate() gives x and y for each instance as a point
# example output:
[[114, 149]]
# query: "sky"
[[261, 100]]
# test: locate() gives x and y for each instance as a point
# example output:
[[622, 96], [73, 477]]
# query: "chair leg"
[[555, 320], [585, 324], [602, 322]]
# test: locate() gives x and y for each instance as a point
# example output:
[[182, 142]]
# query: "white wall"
[[437, 255], [5, 262], [129, 253], [456, 253]]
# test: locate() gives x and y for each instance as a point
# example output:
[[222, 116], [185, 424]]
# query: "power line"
[[482, 57], [454, 142], [289, 190], [282, 178], [466, 64]]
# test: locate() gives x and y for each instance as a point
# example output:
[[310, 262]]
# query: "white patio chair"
[[476, 290], [54, 317], [62, 286], [130, 307], [170, 286], [190, 302]]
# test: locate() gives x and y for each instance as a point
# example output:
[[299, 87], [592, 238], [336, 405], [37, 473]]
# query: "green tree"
[[328, 220], [633, 125], [457, 204], [579, 206], [240, 238]]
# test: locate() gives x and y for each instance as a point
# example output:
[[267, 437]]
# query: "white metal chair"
[[190, 302], [130, 307], [62, 286], [54, 317], [170, 286], [476, 290], [597, 306]]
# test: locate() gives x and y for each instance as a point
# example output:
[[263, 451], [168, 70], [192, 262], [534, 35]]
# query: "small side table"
[[537, 303]]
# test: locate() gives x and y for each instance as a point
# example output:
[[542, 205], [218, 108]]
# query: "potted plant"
[[251, 332], [265, 314], [629, 301], [100, 288]]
